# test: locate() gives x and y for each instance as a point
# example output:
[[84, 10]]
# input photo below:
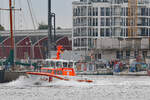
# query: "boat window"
[[58, 64], [46, 64], [44, 70], [75, 64], [70, 65], [50, 71], [52, 64], [65, 64]]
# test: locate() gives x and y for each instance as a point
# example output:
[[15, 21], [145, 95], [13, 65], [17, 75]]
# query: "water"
[[103, 88]]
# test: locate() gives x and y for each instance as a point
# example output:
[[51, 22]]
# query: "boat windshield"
[[65, 64], [58, 64], [52, 64], [70, 65]]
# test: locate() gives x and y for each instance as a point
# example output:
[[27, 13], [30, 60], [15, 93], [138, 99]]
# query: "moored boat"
[[133, 68]]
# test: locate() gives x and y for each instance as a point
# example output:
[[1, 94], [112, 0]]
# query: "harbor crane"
[[132, 18]]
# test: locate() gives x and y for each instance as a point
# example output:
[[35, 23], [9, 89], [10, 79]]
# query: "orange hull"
[[55, 76]]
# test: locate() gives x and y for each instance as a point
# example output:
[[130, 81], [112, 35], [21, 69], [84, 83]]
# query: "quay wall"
[[2, 75], [6, 76], [10, 76]]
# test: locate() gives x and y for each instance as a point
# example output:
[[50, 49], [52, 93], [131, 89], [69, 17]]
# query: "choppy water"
[[103, 88]]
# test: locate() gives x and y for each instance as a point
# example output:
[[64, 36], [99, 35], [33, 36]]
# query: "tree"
[[1, 28], [42, 27], [58, 28]]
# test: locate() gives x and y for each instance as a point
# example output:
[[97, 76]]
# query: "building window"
[[102, 11], [75, 42], [143, 11], [78, 42], [89, 11], [90, 43], [119, 54], [107, 11], [107, 21], [121, 34], [75, 32], [95, 11], [126, 11], [107, 32], [144, 53], [143, 32], [96, 34], [96, 21], [128, 54], [89, 21], [136, 54], [83, 31], [89, 32], [74, 12], [102, 32], [102, 21], [83, 42], [99, 56]]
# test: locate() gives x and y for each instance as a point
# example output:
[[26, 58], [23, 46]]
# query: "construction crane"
[[132, 18], [132, 24]]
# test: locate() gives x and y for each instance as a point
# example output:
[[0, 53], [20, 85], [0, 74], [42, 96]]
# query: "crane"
[[132, 18]]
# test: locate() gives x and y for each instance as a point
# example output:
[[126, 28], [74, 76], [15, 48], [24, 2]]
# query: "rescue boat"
[[57, 68]]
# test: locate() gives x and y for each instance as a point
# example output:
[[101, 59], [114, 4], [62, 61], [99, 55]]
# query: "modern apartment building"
[[94, 19]]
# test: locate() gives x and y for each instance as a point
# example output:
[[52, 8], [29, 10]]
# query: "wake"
[[24, 81]]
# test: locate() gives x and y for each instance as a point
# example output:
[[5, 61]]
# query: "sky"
[[62, 8]]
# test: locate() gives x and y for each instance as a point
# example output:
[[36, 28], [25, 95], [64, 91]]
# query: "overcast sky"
[[62, 8]]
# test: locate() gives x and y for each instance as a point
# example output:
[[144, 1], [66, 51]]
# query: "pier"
[[7, 76]]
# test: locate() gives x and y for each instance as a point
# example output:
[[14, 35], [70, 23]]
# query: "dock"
[[7, 76], [142, 73], [98, 72]]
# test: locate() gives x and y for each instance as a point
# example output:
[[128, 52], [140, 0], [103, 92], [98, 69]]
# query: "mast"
[[11, 57], [11, 25]]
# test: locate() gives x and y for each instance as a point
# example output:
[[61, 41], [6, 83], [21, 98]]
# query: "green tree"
[[1, 28], [58, 28], [42, 27]]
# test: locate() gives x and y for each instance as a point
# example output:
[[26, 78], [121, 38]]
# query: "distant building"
[[31, 44], [101, 27], [93, 19]]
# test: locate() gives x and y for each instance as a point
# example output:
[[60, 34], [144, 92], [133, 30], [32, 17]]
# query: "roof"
[[67, 31], [59, 60]]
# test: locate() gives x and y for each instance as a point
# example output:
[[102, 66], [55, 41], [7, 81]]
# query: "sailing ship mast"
[[11, 25]]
